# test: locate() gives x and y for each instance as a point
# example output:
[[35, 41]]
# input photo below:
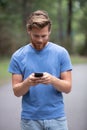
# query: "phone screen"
[[38, 74]]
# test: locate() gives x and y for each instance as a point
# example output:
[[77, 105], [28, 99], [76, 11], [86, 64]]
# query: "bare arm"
[[21, 87], [64, 84]]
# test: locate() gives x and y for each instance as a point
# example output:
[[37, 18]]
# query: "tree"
[[83, 28], [27, 6], [68, 40], [60, 22], [9, 26]]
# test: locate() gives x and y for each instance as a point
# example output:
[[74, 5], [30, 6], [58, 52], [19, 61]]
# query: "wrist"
[[53, 80], [27, 82]]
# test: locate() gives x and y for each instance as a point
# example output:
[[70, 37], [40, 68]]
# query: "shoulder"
[[57, 48], [21, 52]]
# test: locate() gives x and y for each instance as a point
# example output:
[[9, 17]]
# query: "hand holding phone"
[[38, 74]]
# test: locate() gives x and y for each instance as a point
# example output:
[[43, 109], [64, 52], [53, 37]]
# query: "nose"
[[40, 39]]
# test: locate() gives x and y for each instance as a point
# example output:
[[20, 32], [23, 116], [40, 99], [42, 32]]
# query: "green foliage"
[[76, 59], [80, 27], [83, 20], [13, 30], [4, 75]]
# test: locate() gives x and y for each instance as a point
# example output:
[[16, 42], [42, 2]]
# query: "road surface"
[[75, 103]]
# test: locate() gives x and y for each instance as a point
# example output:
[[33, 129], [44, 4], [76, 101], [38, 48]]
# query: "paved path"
[[75, 103], [9, 109]]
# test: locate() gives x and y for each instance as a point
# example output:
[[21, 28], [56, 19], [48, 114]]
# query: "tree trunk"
[[60, 22], [69, 28], [85, 46], [68, 41], [26, 9]]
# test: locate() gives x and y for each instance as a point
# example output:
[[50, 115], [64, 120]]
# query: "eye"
[[37, 36], [43, 36]]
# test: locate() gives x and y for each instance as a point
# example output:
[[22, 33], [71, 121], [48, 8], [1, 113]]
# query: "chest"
[[41, 63]]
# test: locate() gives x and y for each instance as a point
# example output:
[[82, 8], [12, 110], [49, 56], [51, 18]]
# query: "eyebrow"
[[40, 35]]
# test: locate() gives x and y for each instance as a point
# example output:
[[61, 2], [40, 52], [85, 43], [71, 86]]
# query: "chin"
[[39, 48]]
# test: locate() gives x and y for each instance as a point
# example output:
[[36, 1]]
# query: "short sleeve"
[[14, 66], [65, 61]]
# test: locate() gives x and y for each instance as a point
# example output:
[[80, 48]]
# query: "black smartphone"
[[38, 74]]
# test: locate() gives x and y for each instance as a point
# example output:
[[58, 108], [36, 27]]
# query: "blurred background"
[[69, 19], [69, 29]]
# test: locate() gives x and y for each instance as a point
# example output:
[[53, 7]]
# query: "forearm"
[[21, 88], [61, 85]]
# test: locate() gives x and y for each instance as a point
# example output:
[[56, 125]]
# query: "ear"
[[49, 32], [28, 31], [27, 28]]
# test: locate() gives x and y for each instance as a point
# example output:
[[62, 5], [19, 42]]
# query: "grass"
[[5, 76], [78, 59]]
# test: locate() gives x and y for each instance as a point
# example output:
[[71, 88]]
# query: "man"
[[42, 100]]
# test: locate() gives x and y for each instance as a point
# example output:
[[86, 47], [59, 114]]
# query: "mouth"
[[39, 43]]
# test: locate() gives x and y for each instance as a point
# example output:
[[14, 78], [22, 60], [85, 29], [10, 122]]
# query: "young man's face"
[[39, 37]]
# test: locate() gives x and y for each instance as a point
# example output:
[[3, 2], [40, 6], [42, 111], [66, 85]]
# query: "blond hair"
[[38, 19]]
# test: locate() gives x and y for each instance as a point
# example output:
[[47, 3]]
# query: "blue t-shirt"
[[41, 101]]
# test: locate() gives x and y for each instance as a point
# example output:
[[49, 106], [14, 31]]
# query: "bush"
[[82, 50]]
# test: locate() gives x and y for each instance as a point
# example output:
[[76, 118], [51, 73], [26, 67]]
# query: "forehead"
[[43, 30]]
